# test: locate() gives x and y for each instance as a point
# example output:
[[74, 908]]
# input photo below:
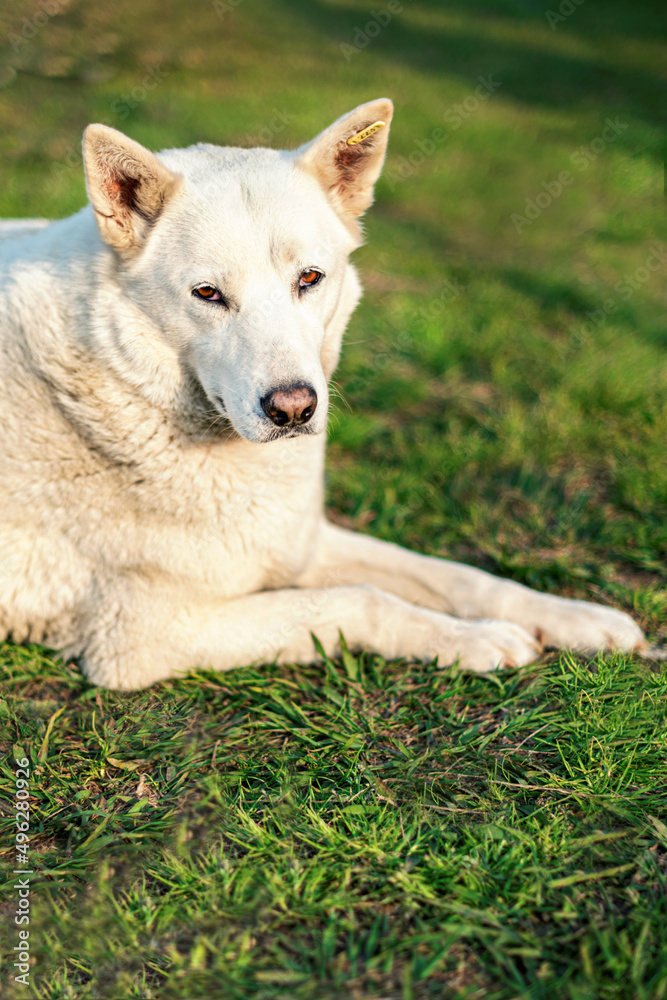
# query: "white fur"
[[152, 518]]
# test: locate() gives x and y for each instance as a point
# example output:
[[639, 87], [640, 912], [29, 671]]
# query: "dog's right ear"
[[127, 186], [347, 158]]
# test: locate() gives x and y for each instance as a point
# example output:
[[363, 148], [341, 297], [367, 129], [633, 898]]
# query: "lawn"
[[367, 829]]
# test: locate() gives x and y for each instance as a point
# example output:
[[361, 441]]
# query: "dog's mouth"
[[279, 433]]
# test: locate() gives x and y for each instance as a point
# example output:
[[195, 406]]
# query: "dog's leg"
[[122, 653], [469, 593]]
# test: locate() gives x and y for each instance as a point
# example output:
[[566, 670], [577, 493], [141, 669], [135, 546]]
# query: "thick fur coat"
[[164, 359]]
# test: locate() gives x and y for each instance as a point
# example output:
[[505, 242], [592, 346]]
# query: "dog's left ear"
[[347, 157], [127, 187]]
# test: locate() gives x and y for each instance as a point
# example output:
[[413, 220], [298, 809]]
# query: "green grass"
[[369, 829], [357, 830]]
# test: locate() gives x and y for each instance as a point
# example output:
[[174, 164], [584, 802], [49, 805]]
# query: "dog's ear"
[[127, 186], [347, 157]]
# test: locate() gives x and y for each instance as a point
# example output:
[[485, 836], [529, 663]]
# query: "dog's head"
[[239, 258]]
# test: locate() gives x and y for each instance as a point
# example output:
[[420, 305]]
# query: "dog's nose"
[[295, 405]]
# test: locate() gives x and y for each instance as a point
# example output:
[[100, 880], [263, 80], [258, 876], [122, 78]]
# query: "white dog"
[[164, 359]]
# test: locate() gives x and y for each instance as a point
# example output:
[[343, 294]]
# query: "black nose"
[[288, 407]]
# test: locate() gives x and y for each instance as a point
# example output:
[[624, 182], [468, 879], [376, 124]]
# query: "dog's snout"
[[292, 406]]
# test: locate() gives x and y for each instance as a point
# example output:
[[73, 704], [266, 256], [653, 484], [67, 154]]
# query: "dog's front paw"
[[489, 645], [585, 627]]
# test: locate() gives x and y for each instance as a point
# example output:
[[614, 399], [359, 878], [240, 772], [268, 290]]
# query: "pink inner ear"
[[349, 160], [122, 193]]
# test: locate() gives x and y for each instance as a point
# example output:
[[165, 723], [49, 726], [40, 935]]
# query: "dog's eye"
[[309, 278], [208, 292]]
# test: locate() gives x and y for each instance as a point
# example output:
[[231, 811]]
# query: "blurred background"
[[502, 393]]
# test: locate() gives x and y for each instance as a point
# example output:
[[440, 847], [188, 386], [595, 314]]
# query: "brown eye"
[[309, 278], [208, 292]]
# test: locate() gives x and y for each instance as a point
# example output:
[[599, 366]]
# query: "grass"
[[362, 830], [370, 829]]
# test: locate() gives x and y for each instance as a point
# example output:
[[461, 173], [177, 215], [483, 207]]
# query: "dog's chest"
[[234, 518]]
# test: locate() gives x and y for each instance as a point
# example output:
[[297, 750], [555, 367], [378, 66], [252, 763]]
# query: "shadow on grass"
[[530, 72]]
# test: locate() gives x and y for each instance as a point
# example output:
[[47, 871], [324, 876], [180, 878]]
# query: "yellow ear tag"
[[365, 132]]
